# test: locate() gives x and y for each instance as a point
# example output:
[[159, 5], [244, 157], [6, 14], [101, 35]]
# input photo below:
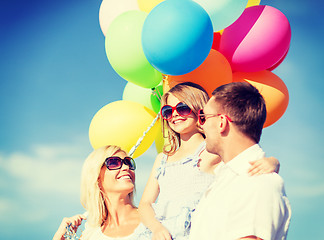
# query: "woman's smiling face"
[[119, 181]]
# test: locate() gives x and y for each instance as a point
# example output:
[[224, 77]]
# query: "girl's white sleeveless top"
[[181, 187]]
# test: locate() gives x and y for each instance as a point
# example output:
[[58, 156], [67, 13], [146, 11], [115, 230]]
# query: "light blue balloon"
[[223, 12], [177, 36]]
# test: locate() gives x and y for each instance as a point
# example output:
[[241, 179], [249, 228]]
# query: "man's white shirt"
[[237, 205]]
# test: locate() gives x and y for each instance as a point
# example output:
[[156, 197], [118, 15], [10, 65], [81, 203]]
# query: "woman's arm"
[[145, 209], [74, 221], [264, 165]]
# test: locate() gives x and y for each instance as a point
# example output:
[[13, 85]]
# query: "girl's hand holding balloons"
[[161, 234]]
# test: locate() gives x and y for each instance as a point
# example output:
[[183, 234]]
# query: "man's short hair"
[[244, 104]]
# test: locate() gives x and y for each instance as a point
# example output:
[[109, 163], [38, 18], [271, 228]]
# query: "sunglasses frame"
[[201, 114], [122, 161], [175, 108]]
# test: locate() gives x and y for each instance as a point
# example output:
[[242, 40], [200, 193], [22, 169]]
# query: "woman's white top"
[[91, 233]]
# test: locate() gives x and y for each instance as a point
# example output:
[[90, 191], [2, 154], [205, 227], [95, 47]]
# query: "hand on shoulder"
[[208, 162], [264, 165]]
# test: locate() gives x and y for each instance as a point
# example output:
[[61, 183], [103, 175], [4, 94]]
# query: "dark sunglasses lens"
[[183, 109], [130, 162], [201, 117], [166, 112], [202, 120], [113, 163]]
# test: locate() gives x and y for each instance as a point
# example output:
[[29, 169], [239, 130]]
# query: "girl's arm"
[[264, 165], [145, 209], [208, 162], [75, 222]]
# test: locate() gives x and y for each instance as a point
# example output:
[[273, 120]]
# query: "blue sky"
[[54, 76]]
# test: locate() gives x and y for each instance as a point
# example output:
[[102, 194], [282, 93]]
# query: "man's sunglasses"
[[202, 116], [182, 109], [115, 163]]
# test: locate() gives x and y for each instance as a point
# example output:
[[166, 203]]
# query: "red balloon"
[[216, 41]]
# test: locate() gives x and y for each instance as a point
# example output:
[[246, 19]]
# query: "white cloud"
[[46, 170], [5, 205], [35, 180]]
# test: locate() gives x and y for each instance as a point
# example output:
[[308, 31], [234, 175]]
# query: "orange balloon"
[[273, 90], [212, 73]]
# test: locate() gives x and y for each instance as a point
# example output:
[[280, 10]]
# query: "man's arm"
[[269, 217]]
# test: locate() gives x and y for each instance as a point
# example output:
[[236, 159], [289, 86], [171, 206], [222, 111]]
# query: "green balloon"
[[156, 98], [124, 50], [135, 93], [144, 96]]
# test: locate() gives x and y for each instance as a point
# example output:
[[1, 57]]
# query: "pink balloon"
[[278, 63], [110, 9], [257, 40]]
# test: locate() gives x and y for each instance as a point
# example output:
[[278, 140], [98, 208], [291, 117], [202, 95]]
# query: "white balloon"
[[110, 9], [223, 12]]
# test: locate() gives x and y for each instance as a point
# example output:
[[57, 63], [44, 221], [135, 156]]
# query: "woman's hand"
[[74, 221], [161, 234], [264, 165]]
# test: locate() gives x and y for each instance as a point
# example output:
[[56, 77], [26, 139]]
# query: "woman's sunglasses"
[[202, 116], [182, 109], [115, 163]]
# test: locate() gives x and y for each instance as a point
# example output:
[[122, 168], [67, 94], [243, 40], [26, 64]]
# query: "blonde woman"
[[107, 187]]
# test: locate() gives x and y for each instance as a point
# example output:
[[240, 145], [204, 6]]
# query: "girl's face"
[[181, 124], [119, 181]]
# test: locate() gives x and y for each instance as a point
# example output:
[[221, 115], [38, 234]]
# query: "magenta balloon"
[[278, 63], [257, 40]]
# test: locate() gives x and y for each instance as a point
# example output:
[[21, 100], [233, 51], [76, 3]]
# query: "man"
[[238, 206]]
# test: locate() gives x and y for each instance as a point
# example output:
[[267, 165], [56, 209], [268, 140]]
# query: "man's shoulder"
[[270, 179], [271, 182]]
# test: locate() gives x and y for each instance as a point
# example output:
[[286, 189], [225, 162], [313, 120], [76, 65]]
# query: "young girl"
[[176, 180]]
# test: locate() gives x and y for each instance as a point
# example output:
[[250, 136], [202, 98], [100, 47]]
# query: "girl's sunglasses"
[[115, 163], [182, 109]]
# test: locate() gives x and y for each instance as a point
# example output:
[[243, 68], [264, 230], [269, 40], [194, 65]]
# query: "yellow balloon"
[[253, 3], [122, 123], [148, 5]]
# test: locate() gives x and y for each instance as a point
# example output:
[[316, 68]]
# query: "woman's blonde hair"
[[195, 97], [92, 198]]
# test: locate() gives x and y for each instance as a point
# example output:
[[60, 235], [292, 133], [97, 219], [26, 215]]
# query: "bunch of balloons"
[[155, 44]]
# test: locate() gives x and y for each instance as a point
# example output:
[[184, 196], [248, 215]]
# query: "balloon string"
[[157, 93], [131, 152]]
